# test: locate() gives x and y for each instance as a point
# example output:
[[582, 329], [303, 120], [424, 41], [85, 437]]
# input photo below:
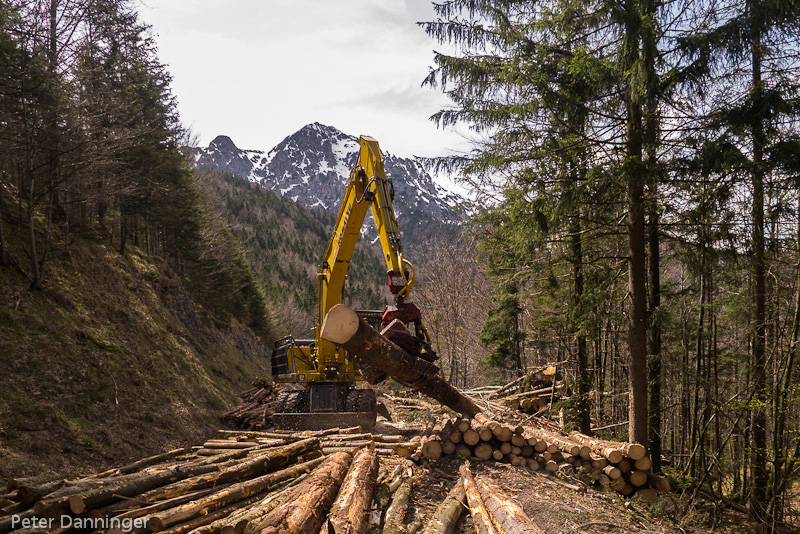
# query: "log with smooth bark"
[[350, 512], [507, 515], [343, 327], [306, 513], [447, 514], [480, 516]]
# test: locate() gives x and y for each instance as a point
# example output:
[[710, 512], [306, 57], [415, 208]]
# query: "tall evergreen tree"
[[747, 49]]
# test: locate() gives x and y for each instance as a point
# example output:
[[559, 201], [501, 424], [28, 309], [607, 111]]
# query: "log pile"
[[244, 482], [174, 492], [254, 482], [622, 466], [532, 393], [255, 413]]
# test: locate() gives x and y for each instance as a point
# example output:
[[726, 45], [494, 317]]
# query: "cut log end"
[[340, 324]]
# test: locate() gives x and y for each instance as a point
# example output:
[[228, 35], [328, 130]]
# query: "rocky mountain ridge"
[[312, 166]]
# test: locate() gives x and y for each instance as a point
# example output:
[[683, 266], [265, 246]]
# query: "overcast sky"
[[259, 70]]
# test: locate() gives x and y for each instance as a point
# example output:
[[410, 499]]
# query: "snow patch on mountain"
[[313, 165]]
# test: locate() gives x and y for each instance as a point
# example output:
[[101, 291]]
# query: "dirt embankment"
[[110, 361]]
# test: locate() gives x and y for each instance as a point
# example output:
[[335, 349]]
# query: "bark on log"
[[387, 487], [157, 507], [263, 463], [206, 519], [446, 517], [507, 516], [350, 512], [396, 513], [153, 460], [239, 519], [480, 516], [634, 451], [343, 327], [129, 484], [227, 496], [306, 513]]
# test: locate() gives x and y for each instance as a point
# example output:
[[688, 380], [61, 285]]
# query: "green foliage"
[[501, 332]]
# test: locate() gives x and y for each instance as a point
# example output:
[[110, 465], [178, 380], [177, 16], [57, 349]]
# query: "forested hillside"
[[130, 316], [284, 243], [644, 160]]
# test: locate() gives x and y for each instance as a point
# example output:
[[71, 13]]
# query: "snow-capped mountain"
[[312, 166]]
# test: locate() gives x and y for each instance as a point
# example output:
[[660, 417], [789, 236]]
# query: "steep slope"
[[312, 166], [110, 361]]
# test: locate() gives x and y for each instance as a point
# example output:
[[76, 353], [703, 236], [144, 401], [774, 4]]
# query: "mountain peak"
[[223, 143], [312, 166]]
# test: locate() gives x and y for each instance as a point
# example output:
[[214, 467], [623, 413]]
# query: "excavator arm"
[[327, 371], [368, 188]]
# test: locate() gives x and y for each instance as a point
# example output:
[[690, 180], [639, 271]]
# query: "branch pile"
[[255, 413]]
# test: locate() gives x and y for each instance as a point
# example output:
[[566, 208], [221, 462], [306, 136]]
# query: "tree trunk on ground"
[[506, 514], [343, 327], [449, 511], [396, 513], [350, 512], [306, 513], [227, 496], [480, 516]]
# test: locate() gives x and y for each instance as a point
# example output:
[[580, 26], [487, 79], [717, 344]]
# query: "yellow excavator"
[[320, 376]]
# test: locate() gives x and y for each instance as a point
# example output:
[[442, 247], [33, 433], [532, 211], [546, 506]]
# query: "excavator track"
[[361, 400]]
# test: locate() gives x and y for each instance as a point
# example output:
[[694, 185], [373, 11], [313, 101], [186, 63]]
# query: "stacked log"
[[533, 401], [255, 413], [174, 491], [621, 466]]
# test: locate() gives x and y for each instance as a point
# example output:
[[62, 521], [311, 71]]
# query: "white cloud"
[[258, 70]]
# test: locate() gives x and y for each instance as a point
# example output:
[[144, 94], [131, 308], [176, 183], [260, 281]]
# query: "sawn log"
[[343, 327]]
